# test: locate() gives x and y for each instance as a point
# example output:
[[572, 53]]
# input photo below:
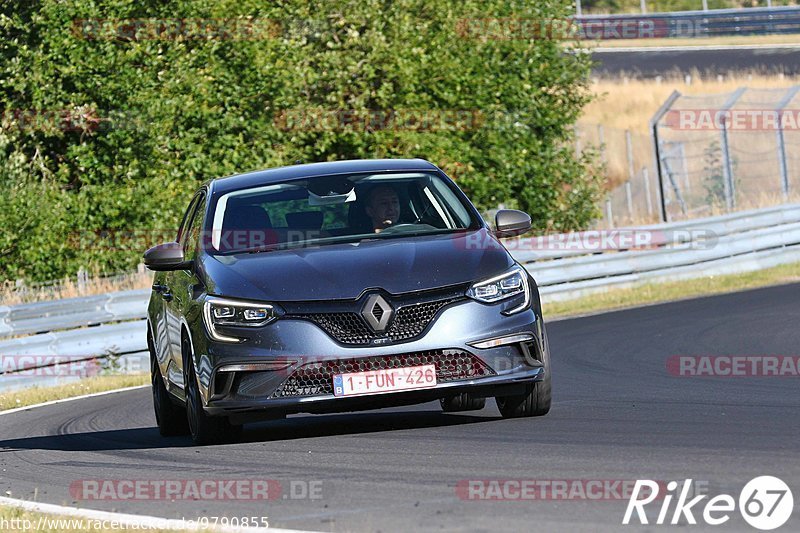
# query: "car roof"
[[273, 175]]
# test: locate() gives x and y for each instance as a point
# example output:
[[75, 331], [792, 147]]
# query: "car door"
[[159, 322], [178, 287]]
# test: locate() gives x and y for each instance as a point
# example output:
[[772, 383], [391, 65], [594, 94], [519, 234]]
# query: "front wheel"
[[170, 418], [536, 399], [462, 402], [204, 429]]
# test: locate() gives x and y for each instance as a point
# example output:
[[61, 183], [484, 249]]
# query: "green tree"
[[106, 128]]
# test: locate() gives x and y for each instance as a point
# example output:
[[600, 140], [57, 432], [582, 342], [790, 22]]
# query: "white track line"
[[130, 520], [613, 49]]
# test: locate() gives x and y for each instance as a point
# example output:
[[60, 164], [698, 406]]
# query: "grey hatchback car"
[[340, 286]]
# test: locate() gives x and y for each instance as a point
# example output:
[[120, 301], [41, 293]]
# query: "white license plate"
[[385, 380]]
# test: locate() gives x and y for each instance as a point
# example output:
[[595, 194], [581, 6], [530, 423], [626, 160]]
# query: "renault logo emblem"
[[377, 312]]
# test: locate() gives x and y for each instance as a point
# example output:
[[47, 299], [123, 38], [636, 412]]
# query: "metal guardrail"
[[745, 241], [65, 356], [718, 22], [117, 339], [620, 264], [530, 249], [72, 313], [729, 265]]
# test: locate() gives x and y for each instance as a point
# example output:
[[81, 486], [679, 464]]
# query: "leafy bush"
[[107, 130]]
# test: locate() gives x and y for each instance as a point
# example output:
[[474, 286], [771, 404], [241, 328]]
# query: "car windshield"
[[334, 209]]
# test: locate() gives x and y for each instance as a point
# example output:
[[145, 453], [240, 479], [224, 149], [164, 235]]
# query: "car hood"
[[345, 271]]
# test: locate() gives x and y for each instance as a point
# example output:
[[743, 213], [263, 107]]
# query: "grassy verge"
[[13, 519], [34, 395], [19, 520], [664, 292]]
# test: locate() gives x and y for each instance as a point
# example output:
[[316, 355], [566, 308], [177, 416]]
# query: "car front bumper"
[[245, 380]]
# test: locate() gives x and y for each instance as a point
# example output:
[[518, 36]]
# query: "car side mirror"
[[166, 257], [510, 222]]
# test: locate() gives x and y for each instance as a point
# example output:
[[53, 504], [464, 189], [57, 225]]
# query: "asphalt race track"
[[650, 63], [618, 415]]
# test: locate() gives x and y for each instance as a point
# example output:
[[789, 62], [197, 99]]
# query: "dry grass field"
[[629, 104]]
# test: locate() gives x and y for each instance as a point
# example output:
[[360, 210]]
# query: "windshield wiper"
[[258, 250]]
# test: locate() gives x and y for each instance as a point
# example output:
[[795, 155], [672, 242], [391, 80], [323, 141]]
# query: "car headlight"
[[221, 312], [502, 287]]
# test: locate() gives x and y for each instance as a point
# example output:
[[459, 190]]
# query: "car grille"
[[409, 322], [316, 378]]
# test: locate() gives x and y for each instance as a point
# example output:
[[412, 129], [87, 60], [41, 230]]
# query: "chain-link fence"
[[632, 179], [727, 152], [706, 155]]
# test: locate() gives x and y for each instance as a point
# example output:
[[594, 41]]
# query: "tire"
[[462, 402], [536, 399], [170, 418], [204, 429]]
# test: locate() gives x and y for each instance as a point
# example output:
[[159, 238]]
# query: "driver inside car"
[[383, 207]]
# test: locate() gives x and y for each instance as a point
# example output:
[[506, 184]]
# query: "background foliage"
[[174, 112]]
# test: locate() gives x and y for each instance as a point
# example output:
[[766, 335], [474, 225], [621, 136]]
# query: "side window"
[[451, 200], [187, 217], [191, 238]]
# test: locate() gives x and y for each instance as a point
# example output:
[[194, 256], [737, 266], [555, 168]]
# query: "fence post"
[[684, 168], [782, 160], [20, 287], [727, 166], [629, 198], [727, 169], [83, 280], [609, 213], [790, 94], [649, 202], [675, 188], [657, 148], [659, 172]]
